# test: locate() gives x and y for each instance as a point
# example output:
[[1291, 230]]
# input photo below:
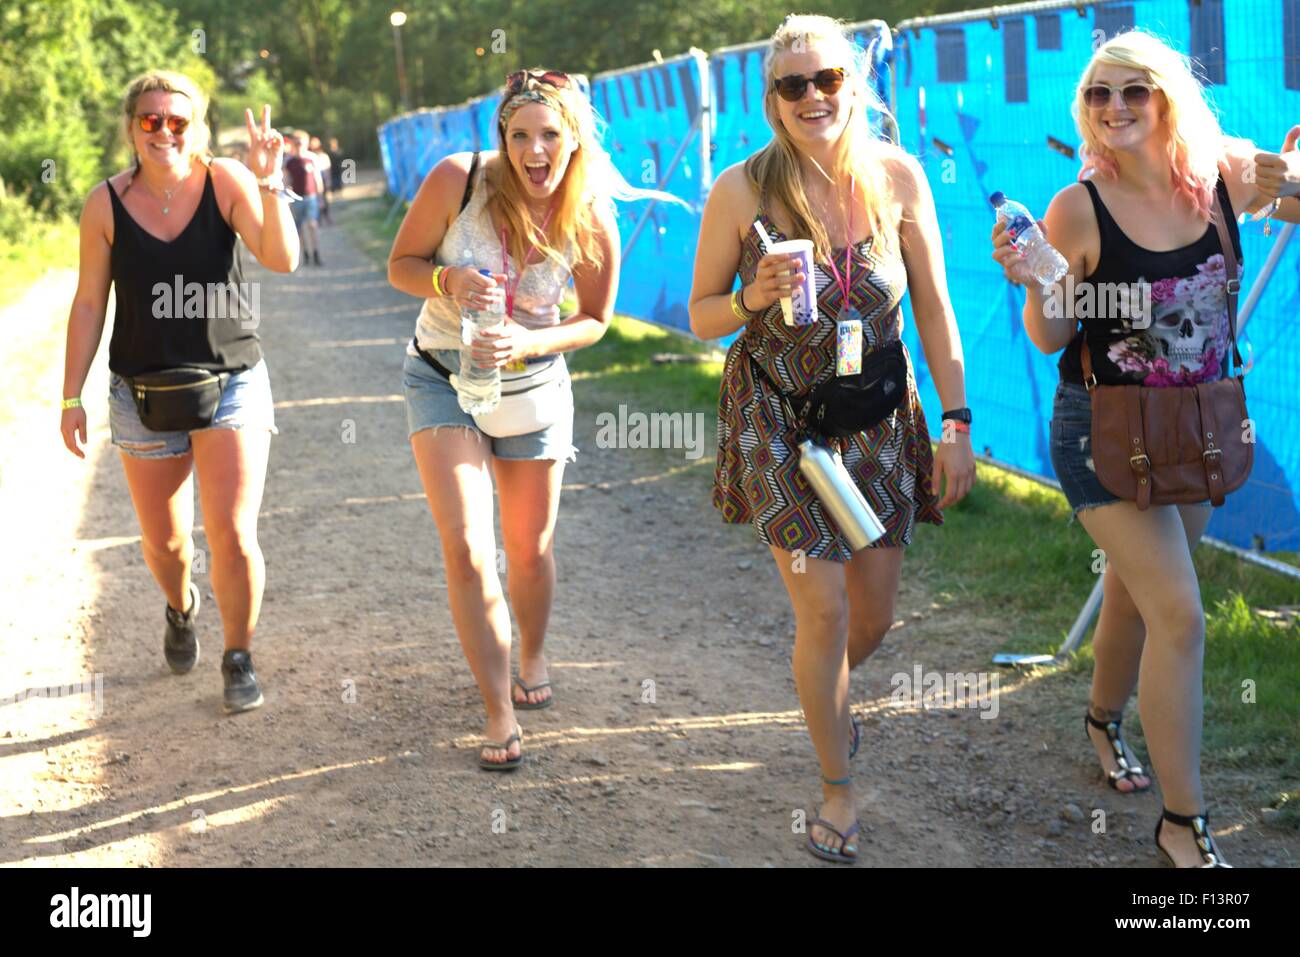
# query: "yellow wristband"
[[73, 403], [738, 310], [437, 280]]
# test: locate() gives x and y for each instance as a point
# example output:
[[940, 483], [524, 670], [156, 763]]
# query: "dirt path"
[[365, 751]]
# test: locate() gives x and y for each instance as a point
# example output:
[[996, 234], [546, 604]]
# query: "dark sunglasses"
[[153, 122], [791, 88], [516, 81], [1135, 95]]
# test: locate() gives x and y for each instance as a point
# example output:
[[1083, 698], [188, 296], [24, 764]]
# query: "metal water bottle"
[[841, 499]]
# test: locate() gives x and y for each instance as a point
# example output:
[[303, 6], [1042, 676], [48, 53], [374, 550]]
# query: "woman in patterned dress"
[[827, 178]]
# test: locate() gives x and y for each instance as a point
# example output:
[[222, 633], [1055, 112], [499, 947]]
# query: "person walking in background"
[[305, 180], [336, 165], [1156, 168], [323, 164], [168, 222], [867, 207]]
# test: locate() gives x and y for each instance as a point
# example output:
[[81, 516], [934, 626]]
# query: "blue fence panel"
[[653, 136], [973, 141]]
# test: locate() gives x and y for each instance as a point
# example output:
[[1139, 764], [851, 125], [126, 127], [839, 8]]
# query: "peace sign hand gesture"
[[265, 145]]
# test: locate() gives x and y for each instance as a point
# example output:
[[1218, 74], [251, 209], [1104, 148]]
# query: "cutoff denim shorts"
[[431, 403], [245, 404]]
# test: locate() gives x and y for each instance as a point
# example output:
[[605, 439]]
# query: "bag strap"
[[795, 420], [1230, 272], [469, 183], [437, 366]]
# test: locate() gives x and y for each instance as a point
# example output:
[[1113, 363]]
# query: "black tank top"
[[1187, 336], [184, 302]]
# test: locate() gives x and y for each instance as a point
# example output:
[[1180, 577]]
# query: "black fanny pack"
[[846, 405], [177, 400]]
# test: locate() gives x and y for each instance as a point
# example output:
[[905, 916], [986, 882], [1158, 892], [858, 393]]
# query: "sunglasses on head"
[[153, 122], [516, 81], [1135, 95], [791, 88]]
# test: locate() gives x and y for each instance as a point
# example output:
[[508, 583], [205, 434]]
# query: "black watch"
[[957, 415]]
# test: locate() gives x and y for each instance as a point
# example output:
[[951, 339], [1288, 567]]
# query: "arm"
[[1067, 224], [86, 318], [922, 249], [260, 217], [1257, 178], [596, 287], [717, 256]]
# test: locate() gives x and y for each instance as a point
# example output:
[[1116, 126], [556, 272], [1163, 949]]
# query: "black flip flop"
[[510, 763], [540, 705]]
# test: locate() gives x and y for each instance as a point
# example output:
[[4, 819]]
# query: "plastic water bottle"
[[478, 390], [1047, 265]]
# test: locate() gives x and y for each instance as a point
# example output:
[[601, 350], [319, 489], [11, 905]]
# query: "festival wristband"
[[437, 280], [73, 403]]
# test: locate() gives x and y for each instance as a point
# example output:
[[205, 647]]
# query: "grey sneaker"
[[180, 640], [243, 693]]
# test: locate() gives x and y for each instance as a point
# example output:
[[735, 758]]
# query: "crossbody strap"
[[469, 183]]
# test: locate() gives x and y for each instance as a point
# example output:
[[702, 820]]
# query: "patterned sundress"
[[757, 479]]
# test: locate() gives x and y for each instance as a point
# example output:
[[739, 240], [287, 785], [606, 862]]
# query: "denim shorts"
[[431, 403], [308, 210], [1071, 447], [245, 404]]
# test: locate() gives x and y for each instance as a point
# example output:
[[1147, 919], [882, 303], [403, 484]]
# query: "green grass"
[[54, 246], [1009, 556]]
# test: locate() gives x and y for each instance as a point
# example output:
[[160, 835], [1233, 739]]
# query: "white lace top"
[[470, 241]]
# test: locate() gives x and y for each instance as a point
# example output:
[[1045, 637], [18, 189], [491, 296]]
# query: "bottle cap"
[[998, 198]]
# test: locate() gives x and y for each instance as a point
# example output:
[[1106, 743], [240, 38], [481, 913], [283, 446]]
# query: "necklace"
[[167, 193]]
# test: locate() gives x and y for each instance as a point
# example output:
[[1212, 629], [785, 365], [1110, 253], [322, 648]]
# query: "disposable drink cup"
[[801, 308]]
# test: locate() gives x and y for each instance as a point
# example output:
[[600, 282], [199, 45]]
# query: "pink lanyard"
[[505, 269], [848, 250]]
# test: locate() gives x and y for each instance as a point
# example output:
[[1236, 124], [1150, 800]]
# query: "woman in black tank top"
[[1138, 232], [163, 235]]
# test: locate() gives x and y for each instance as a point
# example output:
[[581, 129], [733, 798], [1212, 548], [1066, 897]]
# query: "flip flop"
[[837, 856], [510, 763], [540, 705]]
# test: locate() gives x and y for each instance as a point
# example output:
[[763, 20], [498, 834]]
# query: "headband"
[[526, 97]]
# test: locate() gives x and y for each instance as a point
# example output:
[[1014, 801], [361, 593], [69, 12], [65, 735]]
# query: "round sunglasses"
[[1134, 95], [153, 122], [516, 81], [791, 88]]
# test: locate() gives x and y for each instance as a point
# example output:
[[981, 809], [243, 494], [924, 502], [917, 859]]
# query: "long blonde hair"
[[591, 183], [197, 135], [774, 170], [1195, 141]]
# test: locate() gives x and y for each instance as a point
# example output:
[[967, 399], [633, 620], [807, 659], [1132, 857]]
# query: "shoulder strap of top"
[[469, 182]]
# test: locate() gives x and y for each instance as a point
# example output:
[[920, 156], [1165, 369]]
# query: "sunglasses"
[[516, 81], [153, 122], [791, 88], [1135, 95]]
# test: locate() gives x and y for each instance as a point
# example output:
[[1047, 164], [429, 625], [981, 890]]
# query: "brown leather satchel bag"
[[1179, 444]]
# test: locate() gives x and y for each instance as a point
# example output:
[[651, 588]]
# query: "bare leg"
[[231, 464], [871, 579], [1149, 551], [529, 492], [821, 674], [453, 464], [163, 496]]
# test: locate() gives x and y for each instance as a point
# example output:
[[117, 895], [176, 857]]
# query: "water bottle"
[[842, 500], [1047, 265], [478, 390]]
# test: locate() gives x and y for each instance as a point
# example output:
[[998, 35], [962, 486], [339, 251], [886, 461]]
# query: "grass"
[[1009, 556], [54, 247]]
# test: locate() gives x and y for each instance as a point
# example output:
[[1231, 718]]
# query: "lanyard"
[[844, 284], [505, 269]]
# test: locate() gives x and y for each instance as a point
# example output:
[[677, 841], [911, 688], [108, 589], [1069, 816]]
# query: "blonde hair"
[[590, 183], [197, 134], [774, 170], [1195, 142]]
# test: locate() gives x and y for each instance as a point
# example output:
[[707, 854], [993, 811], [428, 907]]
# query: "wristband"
[[736, 309], [957, 415], [957, 426], [73, 403], [437, 281]]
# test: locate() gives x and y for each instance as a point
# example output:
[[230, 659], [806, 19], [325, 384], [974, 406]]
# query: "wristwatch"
[[958, 415]]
